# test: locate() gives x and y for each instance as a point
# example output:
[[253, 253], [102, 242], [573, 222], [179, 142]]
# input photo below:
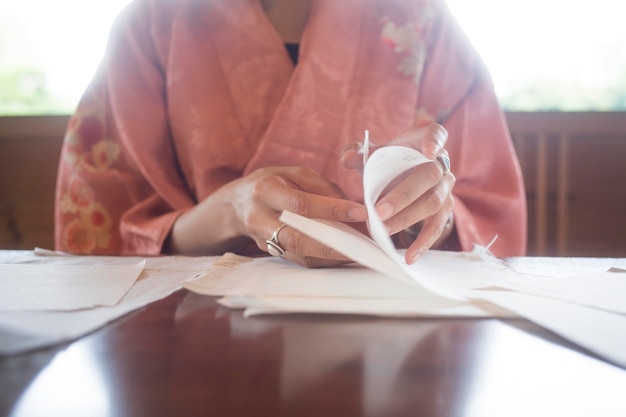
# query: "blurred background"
[[543, 54]]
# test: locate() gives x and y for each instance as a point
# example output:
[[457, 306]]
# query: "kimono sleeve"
[[119, 188]]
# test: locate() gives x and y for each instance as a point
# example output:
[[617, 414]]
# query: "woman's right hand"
[[249, 207]]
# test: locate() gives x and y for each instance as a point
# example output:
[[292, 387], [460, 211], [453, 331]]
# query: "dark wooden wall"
[[574, 167], [29, 155]]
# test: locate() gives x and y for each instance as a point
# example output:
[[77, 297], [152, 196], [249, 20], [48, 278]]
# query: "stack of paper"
[[588, 310]]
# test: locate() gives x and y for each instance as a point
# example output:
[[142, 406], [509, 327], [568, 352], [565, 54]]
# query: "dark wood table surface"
[[188, 356]]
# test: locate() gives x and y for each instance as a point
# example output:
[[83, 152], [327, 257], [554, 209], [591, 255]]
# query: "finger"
[[308, 180], [303, 192], [318, 263], [430, 139], [428, 204], [299, 248], [422, 178], [316, 206], [433, 229], [312, 262]]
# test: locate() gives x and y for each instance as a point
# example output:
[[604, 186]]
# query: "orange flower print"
[[91, 229], [104, 154], [97, 221], [77, 239], [89, 226], [79, 196], [98, 218]]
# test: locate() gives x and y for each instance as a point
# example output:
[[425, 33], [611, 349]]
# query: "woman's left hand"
[[422, 195]]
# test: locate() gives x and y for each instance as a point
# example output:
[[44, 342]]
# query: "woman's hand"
[[249, 207], [422, 195]]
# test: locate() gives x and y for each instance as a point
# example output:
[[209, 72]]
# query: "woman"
[[198, 130]]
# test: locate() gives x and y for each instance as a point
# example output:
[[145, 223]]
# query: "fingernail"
[[385, 210], [358, 214], [415, 256], [433, 148]]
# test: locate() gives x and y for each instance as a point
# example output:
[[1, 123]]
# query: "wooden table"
[[188, 356]]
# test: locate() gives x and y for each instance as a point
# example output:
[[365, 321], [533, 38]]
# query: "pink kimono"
[[193, 94]]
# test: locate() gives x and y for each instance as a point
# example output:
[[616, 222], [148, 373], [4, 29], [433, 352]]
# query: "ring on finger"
[[273, 247], [444, 160]]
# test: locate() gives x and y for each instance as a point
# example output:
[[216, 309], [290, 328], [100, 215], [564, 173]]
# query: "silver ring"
[[273, 247], [444, 160]]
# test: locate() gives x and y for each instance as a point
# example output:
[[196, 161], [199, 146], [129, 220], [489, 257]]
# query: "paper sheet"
[[598, 331], [603, 290], [65, 287], [26, 330], [446, 287], [379, 254], [274, 285]]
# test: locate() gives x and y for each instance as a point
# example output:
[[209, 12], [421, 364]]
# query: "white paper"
[[25, 330], [604, 290], [382, 167], [598, 331], [65, 287], [559, 309], [274, 285], [347, 241], [278, 277]]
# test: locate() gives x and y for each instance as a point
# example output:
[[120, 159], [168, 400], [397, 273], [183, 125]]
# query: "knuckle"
[[258, 191], [291, 242], [405, 196], [435, 200], [400, 221], [335, 212], [403, 222], [298, 204], [328, 253], [439, 230]]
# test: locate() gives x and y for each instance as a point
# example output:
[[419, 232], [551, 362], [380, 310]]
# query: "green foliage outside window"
[[552, 95], [24, 91]]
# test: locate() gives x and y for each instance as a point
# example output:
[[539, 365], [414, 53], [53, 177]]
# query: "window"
[[543, 54], [550, 54], [49, 50]]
